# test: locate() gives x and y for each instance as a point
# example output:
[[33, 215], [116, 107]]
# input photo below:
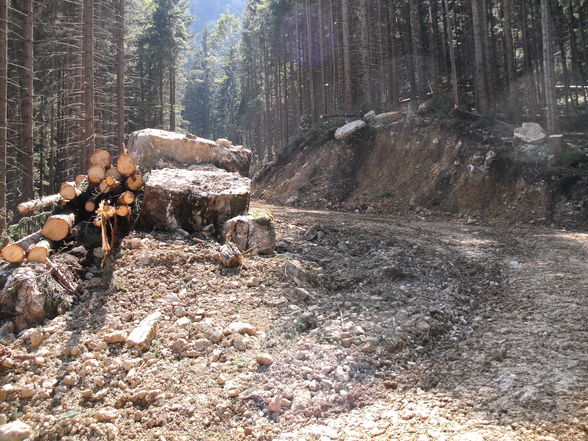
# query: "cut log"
[[125, 164], [150, 145], [229, 255], [251, 233], [80, 179], [193, 199], [101, 158], [96, 174], [39, 252], [16, 252], [135, 181], [123, 210], [59, 226], [113, 172], [34, 295], [39, 204], [69, 191], [127, 198]]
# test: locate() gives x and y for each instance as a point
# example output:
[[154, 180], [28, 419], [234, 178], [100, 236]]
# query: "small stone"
[[341, 375], [215, 335], [239, 344], [183, 323], [275, 405], [36, 337], [253, 282], [200, 344], [265, 359], [422, 327], [107, 414], [242, 328], [143, 334], [115, 337], [15, 431], [135, 243], [179, 345], [70, 380]]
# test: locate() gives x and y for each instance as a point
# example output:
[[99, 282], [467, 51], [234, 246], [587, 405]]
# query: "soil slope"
[[361, 327], [418, 164]]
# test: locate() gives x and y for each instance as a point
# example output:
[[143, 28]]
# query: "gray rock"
[[349, 129], [143, 334], [251, 232], [530, 133]]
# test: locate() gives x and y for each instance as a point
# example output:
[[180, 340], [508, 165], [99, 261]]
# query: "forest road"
[[515, 368]]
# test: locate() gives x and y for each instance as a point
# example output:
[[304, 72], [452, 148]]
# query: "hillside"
[[423, 165]]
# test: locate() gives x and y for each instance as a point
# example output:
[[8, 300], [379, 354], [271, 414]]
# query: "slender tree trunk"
[[313, 101], [548, 68], [120, 74], [3, 113], [28, 166], [434, 42], [393, 63], [321, 36], [479, 72], [366, 85], [172, 98], [510, 65], [88, 62], [417, 52], [347, 55], [453, 62]]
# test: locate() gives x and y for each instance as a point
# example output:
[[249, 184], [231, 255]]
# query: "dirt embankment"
[[448, 167]]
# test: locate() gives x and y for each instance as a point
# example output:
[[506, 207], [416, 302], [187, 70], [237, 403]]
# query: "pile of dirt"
[[420, 165]]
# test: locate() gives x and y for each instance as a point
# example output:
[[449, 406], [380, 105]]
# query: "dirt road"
[[359, 328]]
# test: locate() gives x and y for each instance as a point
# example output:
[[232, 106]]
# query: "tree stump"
[[192, 199], [251, 233]]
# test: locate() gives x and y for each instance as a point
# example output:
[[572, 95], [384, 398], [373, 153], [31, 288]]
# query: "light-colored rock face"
[[149, 146], [145, 332], [14, 431], [530, 133], [349, 129], [193, 199], [388, 117], [248, 232]]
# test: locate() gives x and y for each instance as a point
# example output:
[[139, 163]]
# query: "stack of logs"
[[111, 191]]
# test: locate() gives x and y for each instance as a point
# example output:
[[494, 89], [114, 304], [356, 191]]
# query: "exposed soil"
[[376, 327], [448, 167]]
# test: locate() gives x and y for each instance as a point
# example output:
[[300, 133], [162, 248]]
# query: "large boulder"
[[192, 199], [349, 129], [530, 133], [149, 146], [251, 232]]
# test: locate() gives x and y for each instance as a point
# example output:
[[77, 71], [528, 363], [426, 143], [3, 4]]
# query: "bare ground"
[[379, 328]]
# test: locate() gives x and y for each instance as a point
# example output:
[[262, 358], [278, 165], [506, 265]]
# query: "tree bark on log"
[[59, 226], [16, 252], [39, 204]]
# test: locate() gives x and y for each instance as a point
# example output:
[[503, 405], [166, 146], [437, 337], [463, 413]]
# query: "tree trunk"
[[3, 113], [548, 68], [417, 52], [120, 74], [450, 31], [366, 79], [479, 72], [28, 166], [172, 98], [88, 63], [510, 65], [347, 55], [313, 101]]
